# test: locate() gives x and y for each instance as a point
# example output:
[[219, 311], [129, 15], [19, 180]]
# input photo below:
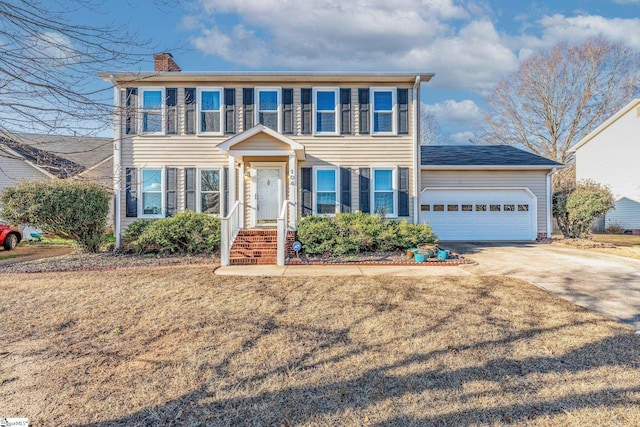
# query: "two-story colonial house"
[[263, 149]]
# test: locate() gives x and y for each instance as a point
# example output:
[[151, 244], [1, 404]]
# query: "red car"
[[9, 237]]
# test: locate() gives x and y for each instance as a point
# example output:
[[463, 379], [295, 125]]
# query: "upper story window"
[[383, 111], [268, 103], [209, 111], [325, 111], [152, 110]]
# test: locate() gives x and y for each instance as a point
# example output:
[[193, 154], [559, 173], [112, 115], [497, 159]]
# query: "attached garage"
[[485, 193], [480, 213]]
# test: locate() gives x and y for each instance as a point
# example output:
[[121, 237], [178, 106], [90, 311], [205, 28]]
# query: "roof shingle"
[[480, 155]]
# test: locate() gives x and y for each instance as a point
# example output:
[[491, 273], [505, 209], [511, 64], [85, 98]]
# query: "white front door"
[[268, 194]]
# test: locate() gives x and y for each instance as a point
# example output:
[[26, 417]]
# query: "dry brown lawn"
[[181, 346], [614, 244]]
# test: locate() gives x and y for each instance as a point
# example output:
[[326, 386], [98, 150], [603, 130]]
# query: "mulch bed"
[[384, 258]]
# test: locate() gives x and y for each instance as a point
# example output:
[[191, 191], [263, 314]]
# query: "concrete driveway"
[[605, 283]]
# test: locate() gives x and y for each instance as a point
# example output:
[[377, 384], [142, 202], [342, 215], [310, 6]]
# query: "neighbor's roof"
[[266, 76], [605, 125], [60, 155], [481, 156]]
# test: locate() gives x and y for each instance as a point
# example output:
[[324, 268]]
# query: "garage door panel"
[[516, 221]]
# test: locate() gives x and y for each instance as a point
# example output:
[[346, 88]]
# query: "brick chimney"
[[164, 62]]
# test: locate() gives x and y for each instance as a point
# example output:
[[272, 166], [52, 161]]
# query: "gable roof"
[[60, 156], [624, 110], [294, 147], [481, 156]]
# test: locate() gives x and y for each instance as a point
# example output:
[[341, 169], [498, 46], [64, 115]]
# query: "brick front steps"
[[257, 246]]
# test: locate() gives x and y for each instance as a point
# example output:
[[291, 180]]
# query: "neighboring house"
[[609, 155], [264, 149], [34, 157]]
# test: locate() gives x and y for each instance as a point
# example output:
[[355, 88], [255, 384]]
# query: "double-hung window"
[[268, 103], [325, 111], [210, 111], [152, 188], [384, 192], [383, 113], [209, 188], [326, 191], [152, 117]]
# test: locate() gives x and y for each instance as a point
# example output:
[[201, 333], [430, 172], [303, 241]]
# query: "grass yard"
[[613, 244], [181, 346]]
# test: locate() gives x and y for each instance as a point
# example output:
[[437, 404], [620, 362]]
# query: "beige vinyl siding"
[[535, 181], [353, 151], [12, 171]]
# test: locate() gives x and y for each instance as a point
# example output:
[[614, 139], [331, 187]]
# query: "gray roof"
[[481, 155], [60, 155]]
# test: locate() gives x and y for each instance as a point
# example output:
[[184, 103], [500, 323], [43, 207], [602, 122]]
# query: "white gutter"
[[117, 160], [550, 203], [416, 149]]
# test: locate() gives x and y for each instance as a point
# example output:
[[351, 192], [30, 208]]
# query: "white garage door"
[[480, 214]]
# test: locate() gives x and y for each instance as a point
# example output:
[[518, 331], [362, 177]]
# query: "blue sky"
[[469, 45]]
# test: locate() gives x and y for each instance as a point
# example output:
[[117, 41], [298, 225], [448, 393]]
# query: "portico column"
[[232, 181], [293, 191]]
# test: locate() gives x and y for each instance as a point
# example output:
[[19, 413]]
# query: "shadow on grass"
[[292, 405]]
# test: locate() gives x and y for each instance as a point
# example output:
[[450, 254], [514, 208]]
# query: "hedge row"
[[353, 233]]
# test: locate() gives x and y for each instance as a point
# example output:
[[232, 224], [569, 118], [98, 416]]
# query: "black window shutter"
[[287, 111], [307, 191], [131, 99], [171, 195], [345, 190], [403, 111], [190, 110], [403, 191], [172, 110], [230, 111], [365, 190], [247, 103], [305, 100], [225, 188], [190, 189], [345, 111], [363, 101], [131, 192]]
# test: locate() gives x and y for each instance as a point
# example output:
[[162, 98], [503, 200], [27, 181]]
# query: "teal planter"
[[443, 255], [419, 257]]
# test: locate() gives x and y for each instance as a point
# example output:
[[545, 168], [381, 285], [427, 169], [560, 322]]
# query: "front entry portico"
[[263, 167]]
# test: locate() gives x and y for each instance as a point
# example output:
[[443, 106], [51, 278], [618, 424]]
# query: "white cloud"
[[452, 112], [461, 137], [416, 35], [627, 1]]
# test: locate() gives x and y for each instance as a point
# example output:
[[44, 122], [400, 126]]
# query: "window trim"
[[199, 169], [163, 109], [394, 186], [314, 179], [199, 111], [336, 109], [256, 101], [163, 175], [394, 110]]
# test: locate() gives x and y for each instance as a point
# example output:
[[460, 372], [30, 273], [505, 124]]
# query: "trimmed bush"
[[575, 207], [353, 233], [185, 232], [70, 209]]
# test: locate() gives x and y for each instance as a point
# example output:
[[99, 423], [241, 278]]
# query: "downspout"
[[416, 149], [550, 203], [117, 159]]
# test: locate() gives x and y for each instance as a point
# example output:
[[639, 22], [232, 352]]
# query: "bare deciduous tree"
[[48, 66], [559, 96], [430, 131]]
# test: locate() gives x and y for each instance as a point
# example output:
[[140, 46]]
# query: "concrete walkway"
[[340, 270]]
